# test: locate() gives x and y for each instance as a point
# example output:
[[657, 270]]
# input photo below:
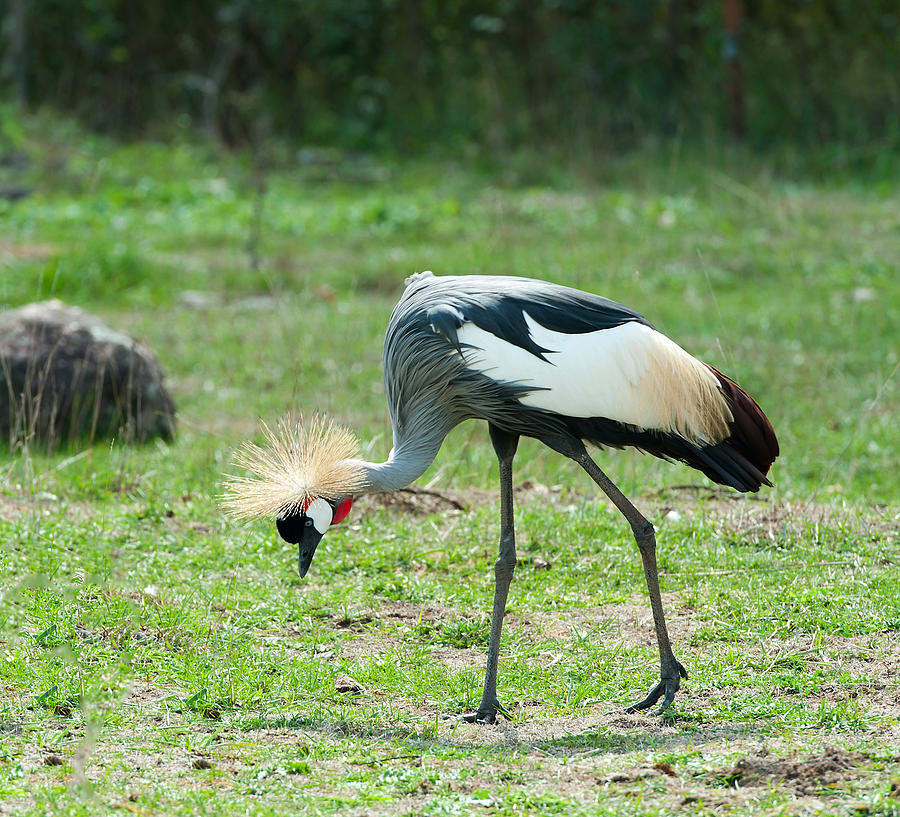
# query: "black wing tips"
[[751, 447], [741, 461], [725, 465]]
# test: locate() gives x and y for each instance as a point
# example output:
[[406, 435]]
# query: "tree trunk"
[[734, 79], [18, 43]]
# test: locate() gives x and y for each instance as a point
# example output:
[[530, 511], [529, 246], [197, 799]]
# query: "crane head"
[[306, 526]]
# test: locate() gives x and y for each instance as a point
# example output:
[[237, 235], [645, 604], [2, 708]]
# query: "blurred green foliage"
[[484, 74], [785, 281]]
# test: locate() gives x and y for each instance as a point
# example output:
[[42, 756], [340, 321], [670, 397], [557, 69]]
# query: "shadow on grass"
[[609, 740], [532, 738], [337, 727]]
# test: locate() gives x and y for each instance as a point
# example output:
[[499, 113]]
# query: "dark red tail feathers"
[[752, 436]]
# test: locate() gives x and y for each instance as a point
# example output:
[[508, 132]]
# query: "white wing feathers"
[[629, 373]]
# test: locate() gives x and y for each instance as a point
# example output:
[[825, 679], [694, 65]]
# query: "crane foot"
[[669, 684], [486, 713]]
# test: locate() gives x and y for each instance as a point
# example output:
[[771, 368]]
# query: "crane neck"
[[406, 463]]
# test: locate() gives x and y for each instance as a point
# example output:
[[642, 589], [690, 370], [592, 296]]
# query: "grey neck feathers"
[[406, 463]]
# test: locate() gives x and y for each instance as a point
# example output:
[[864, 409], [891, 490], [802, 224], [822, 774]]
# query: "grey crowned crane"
[[533, 359]]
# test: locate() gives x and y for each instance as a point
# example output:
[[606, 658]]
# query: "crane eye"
[[308, 522]]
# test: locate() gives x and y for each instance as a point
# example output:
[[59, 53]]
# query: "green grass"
[[157, 658]]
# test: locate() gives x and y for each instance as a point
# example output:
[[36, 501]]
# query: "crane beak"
[[293, 529], [305, 553]]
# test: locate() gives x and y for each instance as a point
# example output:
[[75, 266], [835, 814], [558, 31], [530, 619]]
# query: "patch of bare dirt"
[[403, 613], [871, 656], [21, 502], [412, 613], [362, 647], [628, 622], [425, 502], [415, 501], [11, 508], [29, 251], [14, 507], [803, 776], [364, 643], [460, 659], [757, 517]]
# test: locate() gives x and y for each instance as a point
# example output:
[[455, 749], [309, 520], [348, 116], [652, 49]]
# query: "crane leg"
[[671, 671], [505, 445]]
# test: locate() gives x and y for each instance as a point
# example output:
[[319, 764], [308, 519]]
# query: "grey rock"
[[65, 375]]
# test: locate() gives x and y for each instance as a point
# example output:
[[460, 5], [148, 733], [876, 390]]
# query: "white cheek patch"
[[320, 512]]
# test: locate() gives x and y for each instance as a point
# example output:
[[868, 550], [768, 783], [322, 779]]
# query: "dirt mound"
[[417, 501], [425, 502], [804, 776]]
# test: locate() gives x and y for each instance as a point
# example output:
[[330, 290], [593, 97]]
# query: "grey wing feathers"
[[446, 320], [498, 305]]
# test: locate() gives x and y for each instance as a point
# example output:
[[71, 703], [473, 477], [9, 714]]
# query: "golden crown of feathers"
[[298, 461]]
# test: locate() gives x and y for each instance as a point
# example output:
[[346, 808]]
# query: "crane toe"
[[669, 684], [486, 713]]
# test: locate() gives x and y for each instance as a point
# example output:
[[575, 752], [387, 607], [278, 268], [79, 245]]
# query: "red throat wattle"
[[342, 509]]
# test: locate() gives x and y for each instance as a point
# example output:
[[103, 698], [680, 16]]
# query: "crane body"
[[532, 359]]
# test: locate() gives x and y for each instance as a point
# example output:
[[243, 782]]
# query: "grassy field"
[[157, 658]]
